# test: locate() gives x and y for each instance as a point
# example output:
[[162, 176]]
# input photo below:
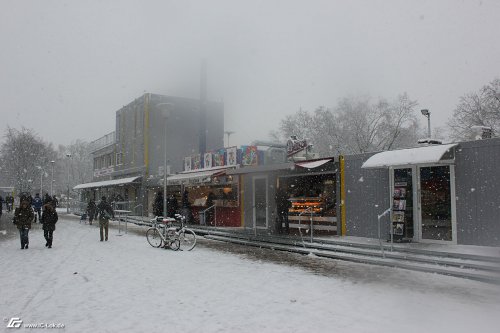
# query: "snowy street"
[[125, 285]]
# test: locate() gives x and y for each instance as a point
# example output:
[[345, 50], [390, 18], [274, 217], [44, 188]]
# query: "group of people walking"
[[24, 215], [45, 210]]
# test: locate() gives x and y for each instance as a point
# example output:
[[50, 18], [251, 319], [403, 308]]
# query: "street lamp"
[[68, 155], [228, 133], [41, 179], [52, 180], [426, 113], [166, 115]]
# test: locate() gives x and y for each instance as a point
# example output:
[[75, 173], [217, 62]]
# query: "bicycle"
[[170, 236]]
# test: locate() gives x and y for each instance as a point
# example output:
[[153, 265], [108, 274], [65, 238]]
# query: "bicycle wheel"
[[187, 239], [174, 245], [154, 238]]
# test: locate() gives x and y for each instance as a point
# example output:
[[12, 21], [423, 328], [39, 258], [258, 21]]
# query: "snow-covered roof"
[[105, 183], [200, 176], [412, 156], [313, 164]]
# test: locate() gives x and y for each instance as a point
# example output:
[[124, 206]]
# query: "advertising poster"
[[249, 155], [187, 163], [208, 163], [218, 158], [231, 156], [196, 162]]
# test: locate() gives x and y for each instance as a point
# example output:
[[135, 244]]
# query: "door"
[[260, 202], [437, 204], [403, 201]]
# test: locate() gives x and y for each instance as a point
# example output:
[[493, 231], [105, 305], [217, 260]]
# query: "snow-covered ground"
[[124, 285]]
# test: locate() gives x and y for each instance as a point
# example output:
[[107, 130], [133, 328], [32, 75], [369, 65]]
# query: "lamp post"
[[228, 133], [426, 113], [68, 155], [166, 114], [52, 180], [41, 179]]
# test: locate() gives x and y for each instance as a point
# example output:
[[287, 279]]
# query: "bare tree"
[[74, 164], [356, 125], [476, 109], [25, 159]]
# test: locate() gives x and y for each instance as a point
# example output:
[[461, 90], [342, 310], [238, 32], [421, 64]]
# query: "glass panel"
[[402, 209], [436, 203], [260, 202]]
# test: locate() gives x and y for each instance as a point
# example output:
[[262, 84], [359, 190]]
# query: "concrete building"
[[129, 162]]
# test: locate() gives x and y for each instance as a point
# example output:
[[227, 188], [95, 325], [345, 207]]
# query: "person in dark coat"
[[172, 206], [186, 207], [55, 202], [91, 210], [105, 212], [158, 204], [49, 220], [46, 199], [282, 206], [23, 216], [1, 206], [10, 203], [37, 206]]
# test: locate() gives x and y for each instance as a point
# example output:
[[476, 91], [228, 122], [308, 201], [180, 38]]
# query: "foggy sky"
[[67, 66]]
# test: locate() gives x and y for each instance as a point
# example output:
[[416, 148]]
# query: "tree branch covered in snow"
[[355, 125], [477, 109], [25, 158]]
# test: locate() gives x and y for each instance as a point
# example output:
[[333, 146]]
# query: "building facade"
[[129, 163]]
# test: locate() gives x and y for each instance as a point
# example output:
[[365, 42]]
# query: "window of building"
[[119, 158]]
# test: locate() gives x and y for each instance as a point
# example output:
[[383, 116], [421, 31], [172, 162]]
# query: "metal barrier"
[[309, 209], [388, 210], [203, 214]]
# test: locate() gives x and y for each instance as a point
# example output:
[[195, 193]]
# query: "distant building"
[[129, 162]]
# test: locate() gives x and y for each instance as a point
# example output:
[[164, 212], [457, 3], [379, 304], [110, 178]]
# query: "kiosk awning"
[[412, 156], [313, 164], [194, 177], [105, 183]]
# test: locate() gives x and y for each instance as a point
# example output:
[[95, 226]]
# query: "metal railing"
[[388, 210], [204, 214], [309, 209]]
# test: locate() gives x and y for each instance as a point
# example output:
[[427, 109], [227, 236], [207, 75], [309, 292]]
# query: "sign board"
[[232, 156], [294, 145], [218, 158], [249, 155], [196, 159], [208, 160]]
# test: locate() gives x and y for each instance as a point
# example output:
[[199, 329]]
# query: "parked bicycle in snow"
[[164, 233]]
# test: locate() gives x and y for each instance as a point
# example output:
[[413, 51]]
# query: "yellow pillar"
[[146, 133]]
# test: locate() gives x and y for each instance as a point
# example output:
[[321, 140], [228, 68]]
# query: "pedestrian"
[[9, 200], [49, 220], [55, 202], [158, 204], [46, 199], [105, 212], [23, 216], [186, 206], [91, 210], [282, 206], [1, 206], [37, 206], [172, 206]]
